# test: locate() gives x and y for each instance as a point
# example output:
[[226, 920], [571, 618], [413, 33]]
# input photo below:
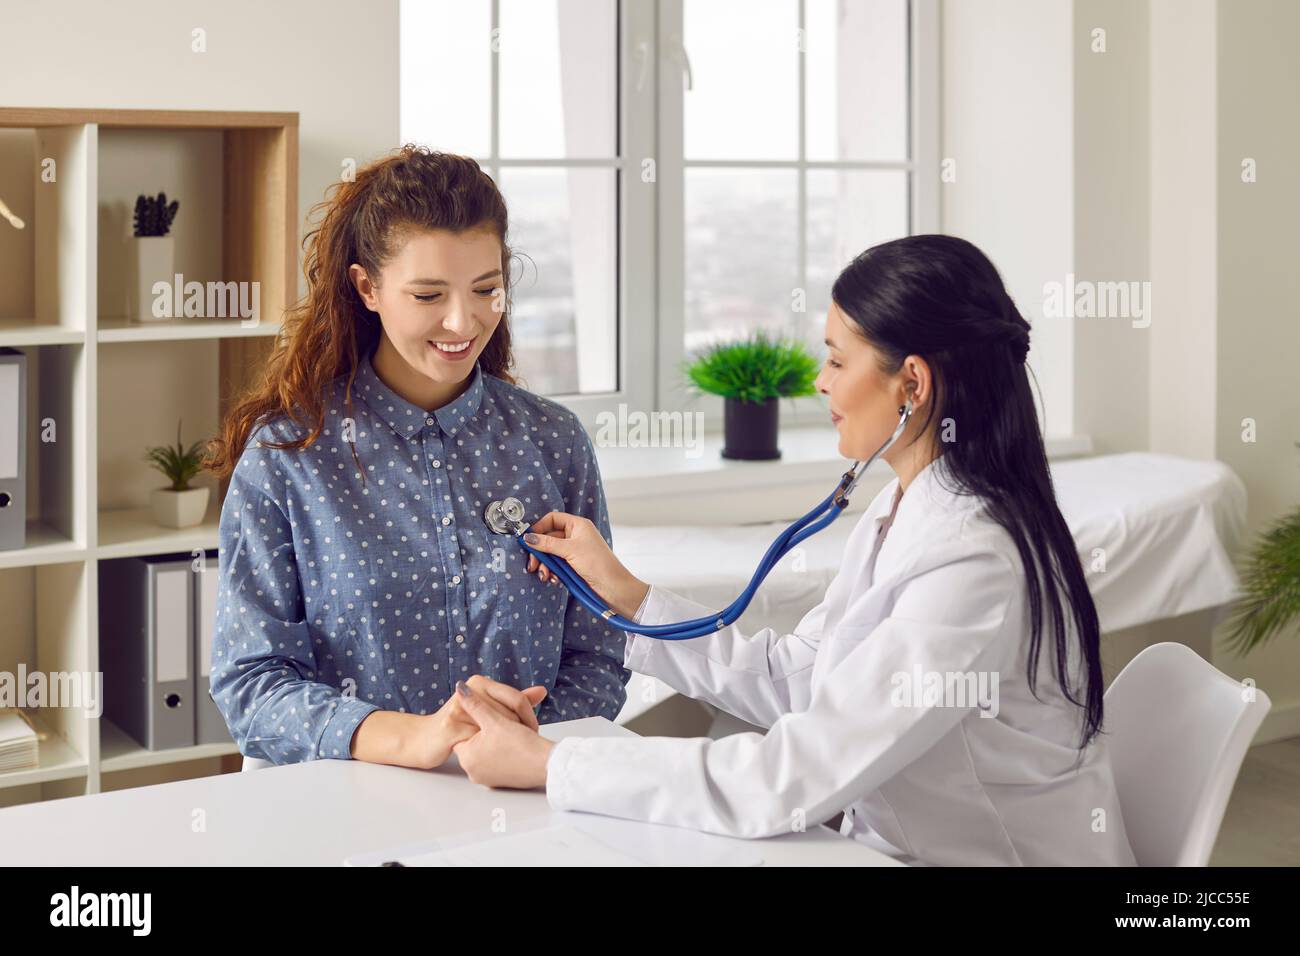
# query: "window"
[[678, 172], [531, 89]]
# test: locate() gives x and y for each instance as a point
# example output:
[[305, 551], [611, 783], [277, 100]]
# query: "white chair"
[[1177, 730], [254, 763]]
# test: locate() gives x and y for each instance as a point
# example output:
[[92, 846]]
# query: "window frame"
[[634, 207], [650, 341], [923, 199]]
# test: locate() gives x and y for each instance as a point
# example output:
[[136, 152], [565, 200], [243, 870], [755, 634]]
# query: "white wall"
[[1183, 386], [331, 61], [1257, 336], [1008, 124], [1112, 115]]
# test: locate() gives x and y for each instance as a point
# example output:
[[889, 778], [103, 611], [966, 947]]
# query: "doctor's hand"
[[452, 723], [579, 542], [504, 752]]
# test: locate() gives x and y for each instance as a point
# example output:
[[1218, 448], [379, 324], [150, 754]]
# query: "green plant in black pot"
[[751, 375]]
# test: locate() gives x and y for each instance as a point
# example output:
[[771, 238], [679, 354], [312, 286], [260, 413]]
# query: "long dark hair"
[[940, 298]]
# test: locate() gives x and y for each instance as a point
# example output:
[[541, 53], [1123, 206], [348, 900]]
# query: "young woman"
[[359, 581], [962, 571]]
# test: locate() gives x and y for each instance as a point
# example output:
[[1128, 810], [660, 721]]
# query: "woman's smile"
[[453, 351]]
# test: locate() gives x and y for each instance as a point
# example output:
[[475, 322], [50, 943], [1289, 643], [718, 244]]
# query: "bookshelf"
[[102, 387]]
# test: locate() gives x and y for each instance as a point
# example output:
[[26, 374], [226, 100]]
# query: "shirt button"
[[437, 463], [428, 421], [447, 520], [455, 579], [460, 638]]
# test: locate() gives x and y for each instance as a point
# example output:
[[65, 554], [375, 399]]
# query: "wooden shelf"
[[112, 386], [45, 545], [56, 761], [117, 329], [24, 333], [132, 532], [119, 751]]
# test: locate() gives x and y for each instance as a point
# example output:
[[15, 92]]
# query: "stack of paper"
[[19, 747]]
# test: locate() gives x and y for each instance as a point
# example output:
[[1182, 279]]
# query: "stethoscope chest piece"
[[506, 516]]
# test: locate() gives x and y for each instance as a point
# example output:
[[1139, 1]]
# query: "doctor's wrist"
[[630, 596]]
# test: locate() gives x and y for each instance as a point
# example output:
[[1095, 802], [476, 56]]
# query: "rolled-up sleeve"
[[264, 672], [592, 681]]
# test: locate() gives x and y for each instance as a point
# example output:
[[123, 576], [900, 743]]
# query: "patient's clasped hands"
[[492, 729]]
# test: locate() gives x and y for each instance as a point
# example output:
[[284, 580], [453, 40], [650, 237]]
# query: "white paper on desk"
[[574, 839]]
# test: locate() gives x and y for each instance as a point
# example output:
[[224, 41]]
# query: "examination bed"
[[1156, 534]]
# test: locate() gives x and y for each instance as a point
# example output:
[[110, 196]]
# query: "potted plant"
[[179, 506], [152, 253], [1270, 585], [751, 375]]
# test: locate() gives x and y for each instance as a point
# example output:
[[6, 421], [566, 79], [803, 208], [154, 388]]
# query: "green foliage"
[[1270, 584], [178, 464], [754, 369]]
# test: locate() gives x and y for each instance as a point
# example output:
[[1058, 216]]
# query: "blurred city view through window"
[[782, 181]]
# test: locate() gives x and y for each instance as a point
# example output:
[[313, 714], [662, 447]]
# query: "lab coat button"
[[460, 638], [428, 421], [455, 579], [437, 463], [446, 520]]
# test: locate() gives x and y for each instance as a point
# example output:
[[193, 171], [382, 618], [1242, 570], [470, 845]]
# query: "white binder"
[[147, 648]]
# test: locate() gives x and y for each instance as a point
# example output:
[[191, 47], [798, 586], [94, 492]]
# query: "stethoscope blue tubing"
[[799, 530]]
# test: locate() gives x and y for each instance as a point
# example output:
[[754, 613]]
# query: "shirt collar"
[[930, 494], [407, 419]]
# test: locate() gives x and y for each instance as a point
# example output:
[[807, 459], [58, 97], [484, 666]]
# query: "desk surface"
[[308, 814]]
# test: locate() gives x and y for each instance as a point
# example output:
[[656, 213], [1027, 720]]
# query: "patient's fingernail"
[[530, 538], [463, 689]]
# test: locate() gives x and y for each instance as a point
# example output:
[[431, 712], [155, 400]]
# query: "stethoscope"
[[507, 517]]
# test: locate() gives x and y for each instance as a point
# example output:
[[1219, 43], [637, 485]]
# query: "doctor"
[[946, 694]]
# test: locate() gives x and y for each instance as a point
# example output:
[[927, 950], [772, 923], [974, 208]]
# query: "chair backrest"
[[1177, 729], [255, 763]]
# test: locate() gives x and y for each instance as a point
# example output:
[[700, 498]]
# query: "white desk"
[[308, 814]]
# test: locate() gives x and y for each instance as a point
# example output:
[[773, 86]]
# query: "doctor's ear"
[[917, 381], [365, 288]]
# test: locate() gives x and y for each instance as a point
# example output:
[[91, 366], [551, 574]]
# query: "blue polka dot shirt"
[[340, 597]]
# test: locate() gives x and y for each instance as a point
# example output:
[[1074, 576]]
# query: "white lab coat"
[[930, 585]]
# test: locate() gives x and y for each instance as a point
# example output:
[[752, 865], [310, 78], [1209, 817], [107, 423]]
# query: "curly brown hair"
[[331, 330]]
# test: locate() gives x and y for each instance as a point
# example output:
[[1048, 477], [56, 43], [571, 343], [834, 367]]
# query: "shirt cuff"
[[557, 764], [640, 611], [336, 739]]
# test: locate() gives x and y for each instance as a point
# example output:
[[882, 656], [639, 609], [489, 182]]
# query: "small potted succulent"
[[152, 253], [178, 506], [751, 375]]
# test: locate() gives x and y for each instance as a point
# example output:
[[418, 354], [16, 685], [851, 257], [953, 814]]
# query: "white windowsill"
[[808, 453]]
